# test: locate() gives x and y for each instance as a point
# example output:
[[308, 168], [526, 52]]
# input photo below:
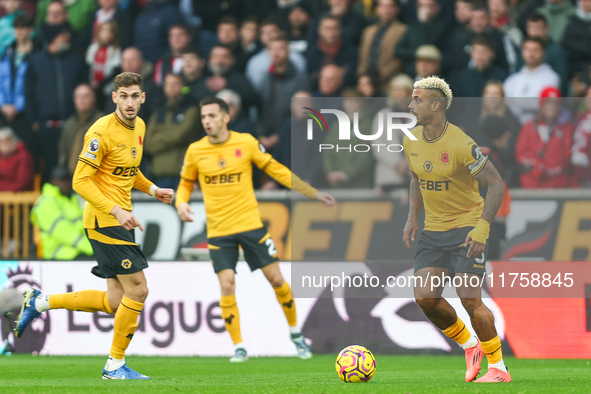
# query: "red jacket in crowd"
[[17, 170], [581, 153], [544, 164]]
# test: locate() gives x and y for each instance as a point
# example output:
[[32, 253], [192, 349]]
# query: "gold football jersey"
[[110, 160], [446, 167], [224, 172]]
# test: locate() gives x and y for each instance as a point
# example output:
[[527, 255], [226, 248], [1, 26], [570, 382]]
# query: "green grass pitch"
[[395, 374]]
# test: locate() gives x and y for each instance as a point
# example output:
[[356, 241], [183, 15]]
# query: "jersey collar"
[[122, 123], [230, 132], [438, 138]]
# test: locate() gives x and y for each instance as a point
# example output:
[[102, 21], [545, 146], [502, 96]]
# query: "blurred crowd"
[[527, 59]]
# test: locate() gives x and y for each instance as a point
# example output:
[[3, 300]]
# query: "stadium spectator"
[[391, 169], [211, 11], [55, 69], [72, 139], [58, 215], [472, 79], [480, 24], [331, 48], [543, 149], [258, 65], [280, 83], [463, 12], [429, 28], [555, 55], [132, 61], [228, 34], [297, 24], [179, 39], [533, 77], [581, 151], [577, 37], [192, 71], [238, 121], [104, 55], [152, 26], [352, 22], [349, 169], [500, 20], [170, 131], [221, 76], [13, 68], [76, 12], [249, 37], [16, 163], [378, 42], [493, 103], [557, 14], [13, 9], [368, 85], [109, 11], [427, 61], [331, 81], [499, 140]]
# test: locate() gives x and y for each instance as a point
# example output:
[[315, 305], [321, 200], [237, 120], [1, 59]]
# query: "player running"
[[447, 167], [222, 162], [107, 170]]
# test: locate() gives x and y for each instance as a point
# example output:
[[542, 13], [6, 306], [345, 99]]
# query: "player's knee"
[[471, 304], [427, 304], [138, 293], [227, 287], [276, 280]]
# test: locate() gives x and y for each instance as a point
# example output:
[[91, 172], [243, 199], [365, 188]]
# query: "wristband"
[[481, 231], [152, 191]]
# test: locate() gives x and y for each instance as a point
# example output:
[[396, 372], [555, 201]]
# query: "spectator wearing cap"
[[378, 42], [581, 152], [352, 22], [543, 148], [555, 56], [152, 26], [16, 163], [472, 79], [533, 77], [429, 28], [75, 127], [76, 12], [495, 134], [58, 215], [331, 48], [427, 61], [577, 38], [13, 68], [13, 9], [54, 69], [170, 131], [557, 14]]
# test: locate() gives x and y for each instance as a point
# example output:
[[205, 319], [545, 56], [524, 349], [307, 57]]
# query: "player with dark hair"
[[107, 170], [447, 167], [222, 163]]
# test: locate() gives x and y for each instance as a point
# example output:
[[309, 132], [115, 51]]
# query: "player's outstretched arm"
[[182, 200], [325, 198], [415, 205], [490, 178]]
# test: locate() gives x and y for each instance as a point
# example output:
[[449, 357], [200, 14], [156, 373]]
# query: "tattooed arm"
[[489, 178], [414, 209]]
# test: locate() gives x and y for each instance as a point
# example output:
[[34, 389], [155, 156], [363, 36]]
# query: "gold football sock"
[[492, 349], [125, 325], [85, 301], [231, 317], [287, 302], [458, 332]]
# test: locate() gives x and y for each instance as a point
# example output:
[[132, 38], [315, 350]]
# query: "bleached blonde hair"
[[435, 83]]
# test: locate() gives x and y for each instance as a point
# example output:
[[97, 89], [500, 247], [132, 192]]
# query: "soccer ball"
[[355, 364]]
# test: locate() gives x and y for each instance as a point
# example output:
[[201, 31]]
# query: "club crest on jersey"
[[428, 166], [222, 163], [93, 146], [238, 153], [126, 264], [444, 157], [133, 152]]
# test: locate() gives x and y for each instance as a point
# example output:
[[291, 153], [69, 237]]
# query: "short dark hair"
[[269, 21], [249, 19], [480, 6], [533, 39], [537, 17], [23, 20], [127, 79], [218, 45], [329, 16], [181, 26], [482, 40], [214, 100], [193, 51], [229, 20]]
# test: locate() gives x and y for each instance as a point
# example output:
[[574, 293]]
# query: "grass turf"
[[395, 374]]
